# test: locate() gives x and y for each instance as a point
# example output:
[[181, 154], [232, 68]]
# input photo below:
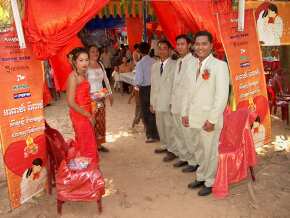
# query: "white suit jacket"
[[207, 98], [182, 77], [161, 85]]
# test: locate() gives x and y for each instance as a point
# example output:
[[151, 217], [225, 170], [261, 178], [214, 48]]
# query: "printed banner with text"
[[21, 118], [246, 68]]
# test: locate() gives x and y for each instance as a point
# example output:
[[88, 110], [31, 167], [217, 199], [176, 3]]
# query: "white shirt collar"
[[186, 56], [205, 60], [164, 62]]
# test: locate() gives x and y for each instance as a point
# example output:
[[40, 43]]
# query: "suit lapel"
[[200, 80]]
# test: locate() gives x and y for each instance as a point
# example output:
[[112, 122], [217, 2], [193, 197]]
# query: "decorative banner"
[[273, 22], [21, 118], [247, 74]]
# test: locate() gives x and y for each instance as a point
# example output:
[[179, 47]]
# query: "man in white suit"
[[162, 75], [204, 110], [183, 74]]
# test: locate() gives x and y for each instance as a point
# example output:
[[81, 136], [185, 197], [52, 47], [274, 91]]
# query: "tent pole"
[[241, 19], [18, 24]]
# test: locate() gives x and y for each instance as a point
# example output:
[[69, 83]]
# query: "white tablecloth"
[[128, 78]]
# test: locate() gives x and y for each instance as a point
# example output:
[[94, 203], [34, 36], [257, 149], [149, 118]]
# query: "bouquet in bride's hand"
[[100, 94]]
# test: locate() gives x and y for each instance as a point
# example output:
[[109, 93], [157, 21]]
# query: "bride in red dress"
[[79, 102]]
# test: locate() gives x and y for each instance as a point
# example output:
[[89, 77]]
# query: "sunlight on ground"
[[281, 143], [111, 137], [110, 188]]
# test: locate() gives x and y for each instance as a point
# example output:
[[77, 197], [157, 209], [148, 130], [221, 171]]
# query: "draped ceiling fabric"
[[60, 65], [170, 22], [191, 16], [50, 24]]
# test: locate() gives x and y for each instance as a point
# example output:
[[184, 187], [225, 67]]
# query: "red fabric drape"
[[191, 16], [171, 23], [46, 94], [50, 24], [134, 30], [236, 151], [60, 64]]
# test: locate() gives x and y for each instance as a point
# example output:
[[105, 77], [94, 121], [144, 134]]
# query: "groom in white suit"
[[205, 105]]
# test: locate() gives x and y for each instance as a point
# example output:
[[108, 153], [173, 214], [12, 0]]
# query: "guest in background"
[[128, 53], [143, 82], [124, 67], [136, 54], [106, 59], [97, 76], [138, 111]]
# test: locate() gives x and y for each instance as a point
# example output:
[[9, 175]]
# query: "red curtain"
[[171, 23], [191, 16], [134, 30], [60, 65], [50, 24]]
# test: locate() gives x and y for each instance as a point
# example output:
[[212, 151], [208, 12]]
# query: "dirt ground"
[[140, 185]]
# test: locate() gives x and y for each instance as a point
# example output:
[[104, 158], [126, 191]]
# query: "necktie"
[[161, 69], [198, 70], [179, 68]]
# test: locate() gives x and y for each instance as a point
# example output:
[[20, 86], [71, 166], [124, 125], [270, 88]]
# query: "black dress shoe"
[[190, 168], [169, 157], [195, 184], [103, 149], [180, 163], [205, 191], [160, 150]]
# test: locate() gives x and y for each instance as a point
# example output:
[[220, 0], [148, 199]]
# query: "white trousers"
[[182, 138], [207, 154], [165, 129]]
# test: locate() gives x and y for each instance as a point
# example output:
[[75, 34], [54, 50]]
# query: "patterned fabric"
[[100, 128]]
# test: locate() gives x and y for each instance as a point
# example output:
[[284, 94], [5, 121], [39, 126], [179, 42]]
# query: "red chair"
[[71, 185], [237, 155], [280, 90], [57, 152]]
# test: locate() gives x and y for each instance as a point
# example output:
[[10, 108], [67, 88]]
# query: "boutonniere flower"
[[205, 74]]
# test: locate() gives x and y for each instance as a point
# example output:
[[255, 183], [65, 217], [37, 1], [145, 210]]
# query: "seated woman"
[[79, 102], [124, 67], [97, 76]]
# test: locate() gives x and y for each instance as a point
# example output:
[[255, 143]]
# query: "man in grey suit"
[[162, 76]]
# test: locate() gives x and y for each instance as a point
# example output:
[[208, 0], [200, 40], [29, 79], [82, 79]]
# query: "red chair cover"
[[73, 185], [236, 151], [82, 185]]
